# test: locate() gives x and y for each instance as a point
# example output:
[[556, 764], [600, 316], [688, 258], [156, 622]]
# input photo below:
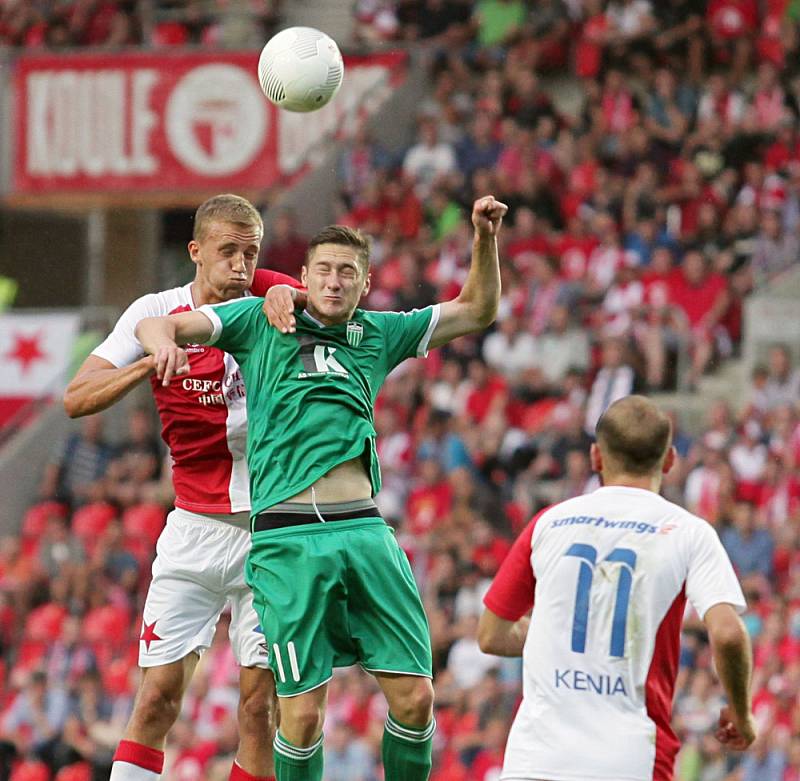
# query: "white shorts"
[[199, 568]]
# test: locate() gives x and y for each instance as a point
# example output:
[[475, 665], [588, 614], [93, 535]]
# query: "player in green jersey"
[[331, 585]]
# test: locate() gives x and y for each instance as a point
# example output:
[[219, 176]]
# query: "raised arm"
[[98, 384], [160, 337], [475, 308], [730, 646]]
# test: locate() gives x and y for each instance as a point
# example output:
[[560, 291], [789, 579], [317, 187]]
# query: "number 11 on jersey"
[[580, 621]]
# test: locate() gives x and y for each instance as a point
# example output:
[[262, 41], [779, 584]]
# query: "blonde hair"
[[225, 208]]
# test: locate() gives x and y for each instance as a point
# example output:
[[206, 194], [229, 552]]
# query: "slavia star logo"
[[149, 634], [27, 350]]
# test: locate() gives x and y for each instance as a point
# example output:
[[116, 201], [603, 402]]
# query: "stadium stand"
[[640, 221]]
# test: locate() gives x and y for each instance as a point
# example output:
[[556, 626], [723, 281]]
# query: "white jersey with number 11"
[[608, 575]]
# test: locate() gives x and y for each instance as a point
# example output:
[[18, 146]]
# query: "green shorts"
[[336, 594]]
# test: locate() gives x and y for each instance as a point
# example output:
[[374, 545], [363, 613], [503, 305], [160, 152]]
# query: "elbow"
[[487, 639], [487, 317], [730, 636], [486, 643], [141, 327], [484, 314], [72, 403]]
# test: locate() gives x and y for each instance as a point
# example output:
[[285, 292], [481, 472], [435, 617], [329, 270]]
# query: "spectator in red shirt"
[[718, 99], [618, 104], [769, 107], [591, 42], [287, 248], [574, 248], [700, 299], [530, 238], [732, 25], [487, 394], [430, 501]]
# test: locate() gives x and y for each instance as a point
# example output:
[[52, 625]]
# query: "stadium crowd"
[[638, 225], [47, 25]]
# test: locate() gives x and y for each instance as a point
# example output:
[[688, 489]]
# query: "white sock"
[[125, 771]]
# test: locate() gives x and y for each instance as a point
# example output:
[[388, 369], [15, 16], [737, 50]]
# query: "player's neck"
[[203, 293], [645, 482]]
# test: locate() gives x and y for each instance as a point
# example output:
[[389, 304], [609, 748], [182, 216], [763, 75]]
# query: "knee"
[[415, 707], [158, 703], [302, 725], [257, 710]]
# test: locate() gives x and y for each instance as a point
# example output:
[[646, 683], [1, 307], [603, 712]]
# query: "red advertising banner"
[[146, 122]]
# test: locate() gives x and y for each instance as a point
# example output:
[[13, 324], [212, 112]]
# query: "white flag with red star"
[[35, 351]]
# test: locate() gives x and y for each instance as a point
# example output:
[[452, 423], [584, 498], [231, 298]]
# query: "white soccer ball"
[[300, 69]]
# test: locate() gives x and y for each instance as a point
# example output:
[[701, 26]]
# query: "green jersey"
[[310, 394]]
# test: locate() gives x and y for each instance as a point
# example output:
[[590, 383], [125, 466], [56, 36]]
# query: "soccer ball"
[[300, 69]]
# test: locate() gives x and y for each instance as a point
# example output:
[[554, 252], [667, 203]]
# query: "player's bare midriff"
[[344, 483]]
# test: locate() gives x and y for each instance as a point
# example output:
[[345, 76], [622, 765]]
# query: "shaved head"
[[634, 436]]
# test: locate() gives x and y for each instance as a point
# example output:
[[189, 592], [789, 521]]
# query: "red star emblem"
[[26, 350], [149, 634]]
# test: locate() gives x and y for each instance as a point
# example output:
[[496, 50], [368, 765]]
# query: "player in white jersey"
[[608, 575], [199, 566]]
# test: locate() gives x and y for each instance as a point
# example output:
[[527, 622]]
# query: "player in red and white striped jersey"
[[608, 575], [199, 565]]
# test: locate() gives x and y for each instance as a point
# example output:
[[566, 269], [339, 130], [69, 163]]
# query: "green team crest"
[[355, 333]]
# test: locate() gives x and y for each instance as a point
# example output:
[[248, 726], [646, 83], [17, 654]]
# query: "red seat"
[[44, 622], [169, 34], [116, 676], [91, 521], [31, 771], [143, 551], [35, 520], [30, 653], [80, 771], [145, 521], [107, 625]]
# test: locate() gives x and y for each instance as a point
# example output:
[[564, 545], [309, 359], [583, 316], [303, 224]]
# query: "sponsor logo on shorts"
[[264, 645]]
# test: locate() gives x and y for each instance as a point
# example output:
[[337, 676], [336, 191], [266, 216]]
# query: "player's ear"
[[669, 459], [194, 252], [304, 275], [367, 283], [595, 458]]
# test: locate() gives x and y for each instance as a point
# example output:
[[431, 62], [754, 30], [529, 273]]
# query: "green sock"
[[293, 763], [406, 751]]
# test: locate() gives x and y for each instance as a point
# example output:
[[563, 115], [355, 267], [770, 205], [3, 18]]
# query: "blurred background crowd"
[[640, 220]]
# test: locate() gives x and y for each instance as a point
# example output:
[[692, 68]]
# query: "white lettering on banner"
[[216, 119], [299, 134], [80, 122]]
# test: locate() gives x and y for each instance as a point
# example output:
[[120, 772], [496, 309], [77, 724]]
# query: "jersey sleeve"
[[711, 579], [264, 279], [237, 324], [408, 334], [121, 347], [511, 594]]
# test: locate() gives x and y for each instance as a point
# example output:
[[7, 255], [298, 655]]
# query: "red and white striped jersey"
[[203, 414], [608, 575]]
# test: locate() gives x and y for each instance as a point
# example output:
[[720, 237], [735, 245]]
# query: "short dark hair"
[[225, 208], [345, 237], [635, 435]]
